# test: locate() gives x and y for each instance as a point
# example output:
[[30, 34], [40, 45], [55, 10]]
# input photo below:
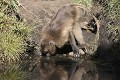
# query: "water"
[[59, 68]]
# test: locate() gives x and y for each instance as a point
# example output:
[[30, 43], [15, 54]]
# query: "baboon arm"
[[73, 70], [77, 31], [75, 48]]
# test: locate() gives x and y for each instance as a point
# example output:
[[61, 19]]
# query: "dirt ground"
[[39, 12]]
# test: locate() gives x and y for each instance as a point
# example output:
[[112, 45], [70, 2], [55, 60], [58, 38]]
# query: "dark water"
[[59, 68]]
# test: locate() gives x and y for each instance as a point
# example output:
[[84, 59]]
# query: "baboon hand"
[[78, 53]]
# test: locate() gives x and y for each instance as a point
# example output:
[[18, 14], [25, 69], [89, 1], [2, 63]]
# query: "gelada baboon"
[[65, 25]]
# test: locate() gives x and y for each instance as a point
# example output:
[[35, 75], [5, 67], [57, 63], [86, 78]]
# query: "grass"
[[13, 72], [111, 11], [87, 3], [13, 33], [11, 46], [6, 4]]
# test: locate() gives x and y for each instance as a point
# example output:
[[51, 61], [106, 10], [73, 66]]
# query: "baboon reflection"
[[52, 69]]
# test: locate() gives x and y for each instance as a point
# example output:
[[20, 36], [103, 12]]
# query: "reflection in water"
[[59, 68], [12, 72], [63, 69]]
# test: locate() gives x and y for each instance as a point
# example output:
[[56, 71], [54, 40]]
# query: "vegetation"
[[112, 12], [6, 5], [13, 72], [13, 33], [87, 3], [111, 8]]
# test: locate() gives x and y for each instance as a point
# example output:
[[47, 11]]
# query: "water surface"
[[59, 68]]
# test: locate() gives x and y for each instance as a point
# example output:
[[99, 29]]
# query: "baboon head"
[[47, 46]]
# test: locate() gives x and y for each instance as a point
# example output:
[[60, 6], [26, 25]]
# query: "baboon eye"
[[50, 43]]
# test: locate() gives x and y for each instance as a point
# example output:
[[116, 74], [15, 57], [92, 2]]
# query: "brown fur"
[[56, 33]]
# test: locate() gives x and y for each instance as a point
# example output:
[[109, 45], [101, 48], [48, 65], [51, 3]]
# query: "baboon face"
[[47, 46]]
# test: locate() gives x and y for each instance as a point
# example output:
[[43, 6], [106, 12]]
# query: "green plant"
[[13, 37], [112, 9], [9, 4], [87, 3], [112, 12], [13, 72], [13, 33], [11, 45]]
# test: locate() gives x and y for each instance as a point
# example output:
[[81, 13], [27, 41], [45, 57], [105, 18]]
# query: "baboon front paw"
[[81, 52], [73, 54], [76, 55]]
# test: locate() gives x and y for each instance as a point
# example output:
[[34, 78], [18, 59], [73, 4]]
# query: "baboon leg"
[[75, 48], [73, 42], [77, 31]]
